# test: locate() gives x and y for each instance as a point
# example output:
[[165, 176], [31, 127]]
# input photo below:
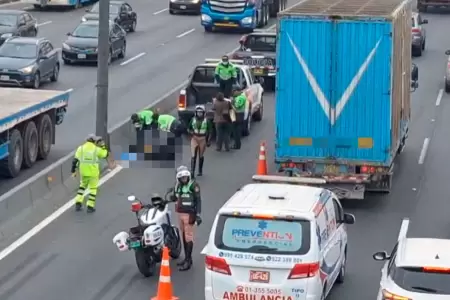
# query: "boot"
[[200, 166], [188, 263], [184, 260], [90, 209], [193, 163], [78, 206]]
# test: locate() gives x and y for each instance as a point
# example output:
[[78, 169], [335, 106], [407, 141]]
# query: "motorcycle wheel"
[[175, 249], [145, 263]]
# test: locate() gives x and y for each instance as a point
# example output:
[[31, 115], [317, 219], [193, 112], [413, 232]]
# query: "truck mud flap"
[[380, 186], [347, 190]]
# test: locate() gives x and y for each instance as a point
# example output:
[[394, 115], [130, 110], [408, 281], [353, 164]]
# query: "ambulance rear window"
[[245, 234]]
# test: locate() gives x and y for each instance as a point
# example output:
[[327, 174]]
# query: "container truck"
[[27, 126], [343, 92], [239, 14]]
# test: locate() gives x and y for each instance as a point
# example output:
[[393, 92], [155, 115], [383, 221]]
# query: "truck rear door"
[[360, 121], [303, 110]]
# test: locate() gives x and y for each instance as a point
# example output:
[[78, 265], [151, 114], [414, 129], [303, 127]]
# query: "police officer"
[[168, 123], [142, 121], [188, 207], [226, 75], [239, 103], [200, 128], [86, 160]]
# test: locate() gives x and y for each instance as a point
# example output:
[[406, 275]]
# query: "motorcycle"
[[154, 231]]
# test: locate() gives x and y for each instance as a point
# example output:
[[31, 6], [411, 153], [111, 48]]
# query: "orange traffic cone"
[[165, 285], [262, 162]]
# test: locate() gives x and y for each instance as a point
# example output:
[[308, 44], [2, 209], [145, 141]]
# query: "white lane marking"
[[439, 97], [132, 59], [44, 23], [423, 153], [44, 223], [185, 33], [160, 11], [55, 215]]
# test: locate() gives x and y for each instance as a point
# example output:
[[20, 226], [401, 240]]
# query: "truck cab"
[[202, 88]]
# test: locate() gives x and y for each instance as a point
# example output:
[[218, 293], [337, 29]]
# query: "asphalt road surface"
[[167, 47], [74, 258]]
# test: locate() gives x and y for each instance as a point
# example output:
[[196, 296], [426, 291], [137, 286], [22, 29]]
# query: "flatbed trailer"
[[27, 126]]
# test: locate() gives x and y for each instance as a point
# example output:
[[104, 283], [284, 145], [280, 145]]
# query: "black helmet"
[[156, 199], [134, 118]]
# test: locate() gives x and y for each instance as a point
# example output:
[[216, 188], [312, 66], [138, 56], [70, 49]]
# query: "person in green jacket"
[[142, 121], [226, 76], [86, 160], [239, 103], [168, 123]]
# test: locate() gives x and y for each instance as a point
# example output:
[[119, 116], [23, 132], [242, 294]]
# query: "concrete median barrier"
[[40, 195]]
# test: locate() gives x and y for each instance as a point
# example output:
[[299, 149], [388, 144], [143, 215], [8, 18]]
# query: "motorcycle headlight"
[[27, 70]]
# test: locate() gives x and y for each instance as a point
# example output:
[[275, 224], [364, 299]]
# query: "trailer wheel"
[[10, 166], [30, 144], [45, 130]]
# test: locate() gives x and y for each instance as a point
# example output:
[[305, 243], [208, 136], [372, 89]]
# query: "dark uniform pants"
[[223, 135], [226, 86]]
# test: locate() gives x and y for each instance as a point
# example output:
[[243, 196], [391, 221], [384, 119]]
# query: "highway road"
[[167, 46], [74, 258]]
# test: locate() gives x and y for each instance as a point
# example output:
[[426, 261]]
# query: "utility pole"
[[101, 123]]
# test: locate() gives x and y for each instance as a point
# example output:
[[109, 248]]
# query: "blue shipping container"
[[333, 97]]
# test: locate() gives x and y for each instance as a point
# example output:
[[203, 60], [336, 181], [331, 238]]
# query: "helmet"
[[93, 138], [200, 110], [183, 174], [156, 199], [182, 168], [134, 118]]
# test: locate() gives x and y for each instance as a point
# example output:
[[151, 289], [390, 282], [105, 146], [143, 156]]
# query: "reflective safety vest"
[[199, 128], [165, 121], [146, 116], [185, 197], [88, 156]]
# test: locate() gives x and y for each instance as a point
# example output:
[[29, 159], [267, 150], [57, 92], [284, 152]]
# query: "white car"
[[416, 269], [277, 241]]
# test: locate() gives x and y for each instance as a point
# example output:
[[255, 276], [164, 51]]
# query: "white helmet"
[[183, 173], [200, 108]]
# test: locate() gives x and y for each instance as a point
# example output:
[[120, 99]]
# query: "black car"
[[16, 23], [82, 44], [119, 12], [27, 61], [185, 6]]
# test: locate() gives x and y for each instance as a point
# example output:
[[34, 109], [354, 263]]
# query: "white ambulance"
[[277, 239]]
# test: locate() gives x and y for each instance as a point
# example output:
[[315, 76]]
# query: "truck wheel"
[[10, 166], [30, 144], [45, 130]]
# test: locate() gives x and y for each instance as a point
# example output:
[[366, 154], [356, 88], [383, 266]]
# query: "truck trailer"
[[343, 92], [27, 126]]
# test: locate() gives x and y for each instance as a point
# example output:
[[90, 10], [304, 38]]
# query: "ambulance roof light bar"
[[285, 179], [218, 60]]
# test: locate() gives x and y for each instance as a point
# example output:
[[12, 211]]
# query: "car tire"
[[37, 6], [258, 115], [342, 271], [423, 45], [123, 51], [171, 11], [133, 26], [447, 87], [35, 32], [67, 62], [30, 145], [421, 8], [55, 73], [417, 51], [208, 29], [11, 166], [37, 81]]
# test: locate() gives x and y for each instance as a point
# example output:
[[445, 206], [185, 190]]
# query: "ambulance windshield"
[[245, 234]]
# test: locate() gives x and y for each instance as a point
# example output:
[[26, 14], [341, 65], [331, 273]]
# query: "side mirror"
[[68, 34], [447, 52], [131, 198], [242, 40], [170, 190], [260, 80], [381, 256], [424, 21], [349, 218]]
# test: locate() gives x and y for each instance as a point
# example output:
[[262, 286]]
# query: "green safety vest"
[[146, 116], [184, 193], [164, 122], [199, 128], [239, 103], [225, 72], [88, 156]]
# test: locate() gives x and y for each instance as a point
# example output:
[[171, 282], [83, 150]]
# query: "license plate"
[[331, 169], [259, 276], [135, 244], [258, 71], [81, 56], [183, 6], [4, 77]]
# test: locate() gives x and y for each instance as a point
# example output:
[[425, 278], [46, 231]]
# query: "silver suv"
[[419, 34]]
